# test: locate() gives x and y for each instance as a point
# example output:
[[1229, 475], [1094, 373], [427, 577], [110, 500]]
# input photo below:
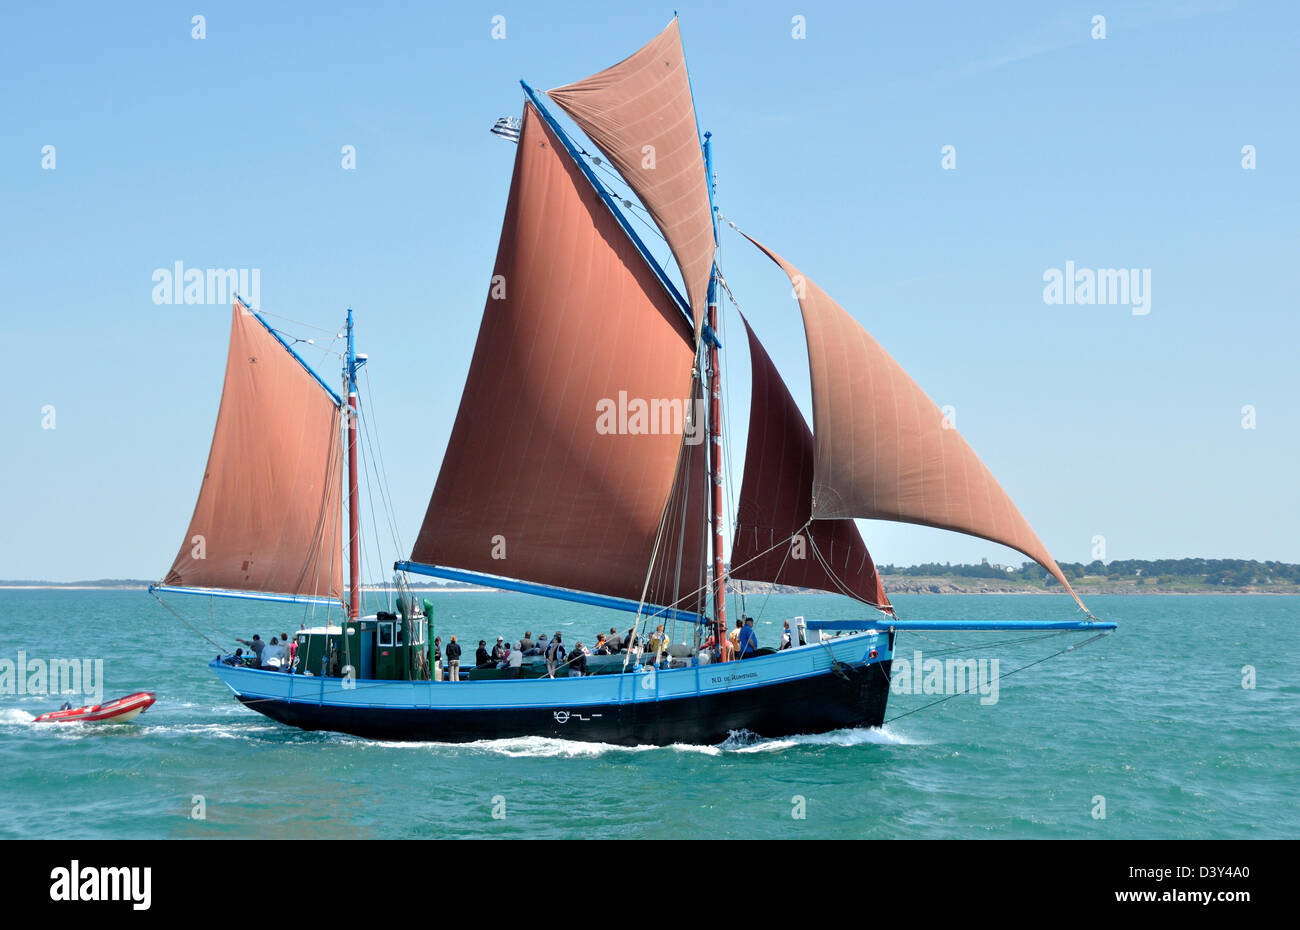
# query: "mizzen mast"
[[354, 517]]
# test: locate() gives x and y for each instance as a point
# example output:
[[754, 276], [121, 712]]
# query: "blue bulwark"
[[671, 288], [542, 590], [338, 401]]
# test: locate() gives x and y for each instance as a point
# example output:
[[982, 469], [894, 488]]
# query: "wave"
[[520, 747], [12, 716], [219, 730], [743, 741]]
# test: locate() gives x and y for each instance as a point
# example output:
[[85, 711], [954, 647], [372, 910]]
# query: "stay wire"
[[942, 700]]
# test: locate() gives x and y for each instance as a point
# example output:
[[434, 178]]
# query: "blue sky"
[[223, 152]]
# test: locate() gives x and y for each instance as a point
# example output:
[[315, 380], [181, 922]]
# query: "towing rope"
[[179, 617]]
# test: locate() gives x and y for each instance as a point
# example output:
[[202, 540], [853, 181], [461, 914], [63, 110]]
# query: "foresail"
[[268, 516], [883, 450], [565, 451], [774, 541], [639, 112]]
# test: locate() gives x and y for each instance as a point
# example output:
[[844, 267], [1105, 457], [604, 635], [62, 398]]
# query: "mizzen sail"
[[639, 112], [268, 516], [565, 452], [775, 540], [883, 450]]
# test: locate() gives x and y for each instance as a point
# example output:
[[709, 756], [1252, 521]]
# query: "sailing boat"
[[562, 480]]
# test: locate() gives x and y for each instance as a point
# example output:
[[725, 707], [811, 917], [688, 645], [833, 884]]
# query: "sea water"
[[1183, 723]]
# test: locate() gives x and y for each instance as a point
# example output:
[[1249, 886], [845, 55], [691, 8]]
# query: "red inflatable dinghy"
[[119, 711]]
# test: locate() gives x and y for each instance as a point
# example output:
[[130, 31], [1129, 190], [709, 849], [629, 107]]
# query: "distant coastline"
[[1166, 576], [953, 585]]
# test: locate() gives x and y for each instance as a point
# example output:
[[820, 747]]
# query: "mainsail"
[[268, 517], [641, 115], [564, 457], [883, 449], [774, 541]]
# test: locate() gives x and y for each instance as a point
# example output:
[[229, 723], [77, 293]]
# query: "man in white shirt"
[[273, 656]]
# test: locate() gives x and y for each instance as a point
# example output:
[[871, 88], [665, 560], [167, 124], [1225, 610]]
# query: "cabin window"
[[385, 634]]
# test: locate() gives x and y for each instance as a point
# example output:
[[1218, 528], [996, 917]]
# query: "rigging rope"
[[175, 613], [386, 493], [949, 697]]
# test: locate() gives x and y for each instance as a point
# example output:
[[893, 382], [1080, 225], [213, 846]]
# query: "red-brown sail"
[[776, 501], [641, 115], [556, 472], [883, 450], [268, 513]]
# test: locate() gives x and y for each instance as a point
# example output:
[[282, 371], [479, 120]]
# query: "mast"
[[354, 519], [715, 424]]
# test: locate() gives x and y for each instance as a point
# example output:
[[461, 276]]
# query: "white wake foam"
[[543, 747]]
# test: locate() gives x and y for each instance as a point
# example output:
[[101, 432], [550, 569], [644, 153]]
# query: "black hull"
[[850, 697]]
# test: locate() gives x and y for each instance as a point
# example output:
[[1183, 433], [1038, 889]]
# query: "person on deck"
[[292, 646], [273, 656], [526, 644], [453, 659], [540, 649], [257, 645], [515, 661], [602, 645], [481, 657], [748, 644], [615, 641], [734, 635], [554, 655], [237, 659], [499, 650], [436, 655], [705, 654], [659, 643], [578, 660]]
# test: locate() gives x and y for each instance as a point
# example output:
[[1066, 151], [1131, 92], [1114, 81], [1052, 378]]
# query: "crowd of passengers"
[[740, 643]]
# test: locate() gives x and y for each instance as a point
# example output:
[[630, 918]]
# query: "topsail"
[[641, 115]]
